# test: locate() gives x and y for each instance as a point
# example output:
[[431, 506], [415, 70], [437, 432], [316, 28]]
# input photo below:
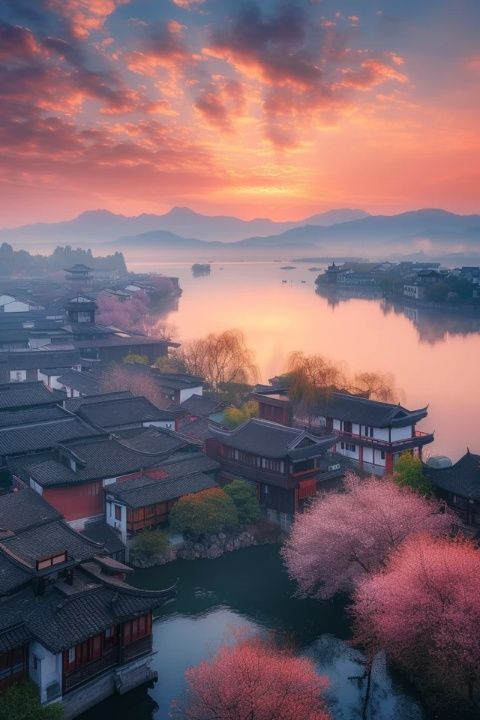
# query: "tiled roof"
[[44, 540], [24, 509], [201, 406], [110, 413], [24, 439], [31, 415], [101, 458], [268, 439], [12, 576], [104, 534], [73, 404], [198, 429], [35, 359], [26, 394], [363, 411], [153, 441], [462, 478], [143, 491]]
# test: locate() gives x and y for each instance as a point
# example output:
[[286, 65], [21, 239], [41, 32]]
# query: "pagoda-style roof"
[[462, 478], [271, 440]]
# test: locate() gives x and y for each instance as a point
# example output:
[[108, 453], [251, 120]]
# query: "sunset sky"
[[248, 107]]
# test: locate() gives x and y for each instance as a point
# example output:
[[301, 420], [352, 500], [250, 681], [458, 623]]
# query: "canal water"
[[248, 591], [433, 356]]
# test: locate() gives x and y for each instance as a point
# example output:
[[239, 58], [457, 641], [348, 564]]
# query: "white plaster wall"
[[368, 455], [185, 394], [377, 458], [380, 433], [49, 668], [119, 525], [401, 433], [35, 486]]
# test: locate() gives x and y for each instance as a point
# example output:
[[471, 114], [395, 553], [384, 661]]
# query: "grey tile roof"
[[367, 412], [198, 429], [143, 491], [36, 359], [101, 457], [24, 509], [114, 413], [27, 394], [268, 439], [462, 478], [24, 439], [44, 540], [153, 441], [14, 637], [83, 382], [73, 404], [104, 534], [31, 415], [201, 405], [12, 576]]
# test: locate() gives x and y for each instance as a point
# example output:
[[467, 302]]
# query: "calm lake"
[[435, 360], [249, 591], [433, 356]]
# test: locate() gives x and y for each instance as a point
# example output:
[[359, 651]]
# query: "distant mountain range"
[[103, 226], [183, 232]]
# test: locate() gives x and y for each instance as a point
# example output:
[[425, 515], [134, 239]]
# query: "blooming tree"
[[253, 681], [424, 609], [127, 314], [343, 536]]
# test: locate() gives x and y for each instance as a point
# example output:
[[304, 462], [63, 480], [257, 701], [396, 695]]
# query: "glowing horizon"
[[258, 108]]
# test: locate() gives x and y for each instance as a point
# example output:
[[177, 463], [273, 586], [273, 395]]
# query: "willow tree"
[[220, 358], [311, 378]]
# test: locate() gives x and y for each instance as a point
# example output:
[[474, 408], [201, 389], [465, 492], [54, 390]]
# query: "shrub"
[[209, 511], [21, 702], [149, 544], [245, 498], [408, 472]]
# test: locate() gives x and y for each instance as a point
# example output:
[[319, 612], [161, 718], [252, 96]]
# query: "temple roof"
[[462, 478], [268, 439]]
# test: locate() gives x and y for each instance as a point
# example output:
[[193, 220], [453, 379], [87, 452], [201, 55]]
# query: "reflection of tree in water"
[[345, 666], [434, 325]]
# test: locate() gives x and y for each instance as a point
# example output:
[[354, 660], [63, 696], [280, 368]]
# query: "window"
[[350, 447], [18, 375], [118, 512], [382, 454], [71, 655]]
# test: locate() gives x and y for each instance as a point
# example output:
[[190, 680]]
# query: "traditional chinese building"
[[459, 486], [287, 465], [72, 475], [68, 620], [368, 432]]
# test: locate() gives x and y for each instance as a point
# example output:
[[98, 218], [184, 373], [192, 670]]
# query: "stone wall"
[[214, 546]]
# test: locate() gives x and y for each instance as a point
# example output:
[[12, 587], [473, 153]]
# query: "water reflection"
[[249, 590]]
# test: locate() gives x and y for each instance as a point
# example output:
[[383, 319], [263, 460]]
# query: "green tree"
[[408, 472], [149, 544], [235, 416], [209, 511], [245, 498], [21, 702]]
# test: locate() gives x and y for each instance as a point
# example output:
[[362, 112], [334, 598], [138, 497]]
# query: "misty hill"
[[102, 226], [21, 262], [438, 226]]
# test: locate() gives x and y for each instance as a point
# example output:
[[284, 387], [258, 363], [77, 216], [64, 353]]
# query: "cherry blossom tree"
[[254, 681], [344, 536], [423, 608], [127, 314]]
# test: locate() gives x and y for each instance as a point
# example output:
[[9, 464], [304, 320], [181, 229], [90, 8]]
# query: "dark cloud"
[[303, 63]]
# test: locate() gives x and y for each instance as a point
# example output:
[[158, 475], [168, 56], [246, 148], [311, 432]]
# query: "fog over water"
[[433, 356]]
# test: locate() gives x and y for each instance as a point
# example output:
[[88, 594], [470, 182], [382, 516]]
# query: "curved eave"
[[410, 419]]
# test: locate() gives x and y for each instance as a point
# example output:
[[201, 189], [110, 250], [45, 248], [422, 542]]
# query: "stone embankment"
[[214, 546]]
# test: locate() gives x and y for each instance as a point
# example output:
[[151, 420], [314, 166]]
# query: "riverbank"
[[212, 546]]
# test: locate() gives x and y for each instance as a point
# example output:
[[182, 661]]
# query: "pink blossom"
[[343, 536]]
